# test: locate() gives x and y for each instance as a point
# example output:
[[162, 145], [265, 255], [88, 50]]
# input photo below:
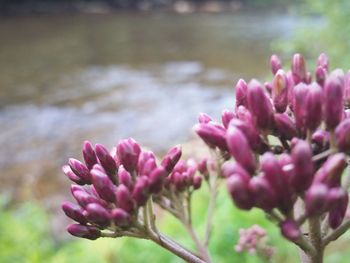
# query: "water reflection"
[[65, 79]]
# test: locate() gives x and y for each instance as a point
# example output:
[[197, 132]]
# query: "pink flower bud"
[[240, 149], [212, 135], [124, 199], [275, 63], [299, 105], [89, 155], [280, 91], [226, 117], [342, 135], [156, 179], [299, 69], [303, 166], [80, 170], [314, 107], [323, 61], [229, 168], [103, 185], [321, 75], [241, 93], [72, 176], [146, 162], [74, 212], [141, 191], [98, 215], [171, 158], [316, 199], [84, 198], [249, 130], [88, 232], [260, 105], [128, 152], [203, 167], [75, 187], [124, 177], [331, 171], [285, 126], [120, 218], [268, 87], [321, 138], [333, 101], [347, 89], [273, 171], [106, 160], [197, 182], [204, 118], [290, 230], [264, 195], [238, 187], [339, 199]]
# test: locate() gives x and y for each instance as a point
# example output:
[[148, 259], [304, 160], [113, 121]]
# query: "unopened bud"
[[106, 160], [197, 182], [141, 191], [72, 176], [342, 135], [264, 195], [89, 155], [316, 199], [241, 93], [290, 230], [285, 126], [212, 135], [238, 187], [124, 199], [98, 215], [339, 200], [204, 118], [88, 232], [275, 63], [103, 185], [128, 152], [120, 218], [323, 61], [124, 177], [299, 69], [156, 179], [80, 170], [171, 158], [280, 91], [314, 107], [226, 117], [74, 212]]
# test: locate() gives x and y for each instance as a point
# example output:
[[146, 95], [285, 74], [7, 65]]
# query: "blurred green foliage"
[[326, 29], [25, 237]]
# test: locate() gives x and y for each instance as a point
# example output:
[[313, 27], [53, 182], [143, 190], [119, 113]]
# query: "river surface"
[[64, 79]]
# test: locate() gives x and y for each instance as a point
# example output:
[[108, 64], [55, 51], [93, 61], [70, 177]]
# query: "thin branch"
[[337, 232]]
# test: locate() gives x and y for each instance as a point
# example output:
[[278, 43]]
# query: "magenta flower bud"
[[144, 157], [268, 87], [299, 69], [275, 63], [226, 117], [229, 168], [299, 105], [241, 93], [120, 218], [342, 136], [128, 152], [124, 199], [197, 182], [321, 138], [204, 118], [88, 232], [339, 200], [180, 181], [80, 170], [347, 89], [106, 160], [303, 166], [239, 148], [333, 101], [286, 163], [171, 158], [264, 195], [141, 191], [316, 199], [260, 105], [203, 167], [280, 91], [124, 177], [238, 187], [314, 107], [249, 130], [321, 75], [103, 185], [89, 155], [290, 230], [98, 215], [323, 61], [75, 187], [156, 179], [273, 172], [285, 126], [331, 171], [212, 135], [72, 176], [84, 198], [291, 85], [74, 212]]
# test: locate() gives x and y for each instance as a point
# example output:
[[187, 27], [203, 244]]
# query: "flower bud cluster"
[[254, 241], [111, 187], [289, 139]]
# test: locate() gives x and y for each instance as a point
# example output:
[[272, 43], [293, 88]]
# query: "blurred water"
[[68, 78]]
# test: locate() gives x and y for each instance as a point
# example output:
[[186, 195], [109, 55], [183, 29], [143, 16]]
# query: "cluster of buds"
[[111, 187], [289, 139], [254, 241]]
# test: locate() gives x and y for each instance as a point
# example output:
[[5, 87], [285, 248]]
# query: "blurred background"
[[109, 69]]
